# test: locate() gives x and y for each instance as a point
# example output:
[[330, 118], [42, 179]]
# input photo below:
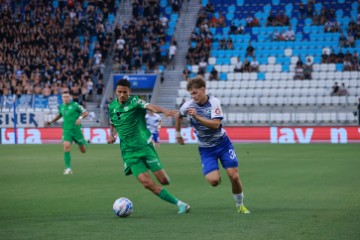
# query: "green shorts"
[[74, 135], [141, 160]]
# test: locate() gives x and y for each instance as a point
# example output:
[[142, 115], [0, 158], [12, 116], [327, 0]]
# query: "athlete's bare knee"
[[214, 182], [164, 181], [234, 178], [67, 147], [82, 149]]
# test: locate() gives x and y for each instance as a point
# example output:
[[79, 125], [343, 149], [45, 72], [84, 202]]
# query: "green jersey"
[[70, 113], [129, 121]]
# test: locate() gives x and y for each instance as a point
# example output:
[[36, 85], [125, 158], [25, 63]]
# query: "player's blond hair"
[[196, 82]]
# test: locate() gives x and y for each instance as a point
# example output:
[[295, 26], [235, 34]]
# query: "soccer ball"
[[123, 207]]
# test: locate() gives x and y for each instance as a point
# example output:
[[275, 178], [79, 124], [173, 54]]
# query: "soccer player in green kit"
[[72, 113], [127, 119]]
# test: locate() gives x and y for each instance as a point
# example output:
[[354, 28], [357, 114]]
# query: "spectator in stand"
[[309, 9], [164, 20], [213, 21], [254, 65], [214, 75], [316, 19], [249, 21], [348, 65], [209, 8], [222, 43], [302, 10], [246, 66], [238, 66], [186, 74], [336, 26], [350, 41], [99, 92], [240, 29], [250, 51], [233, 28], [271, 21], [255, 22], [275, 35], [325, 57], [221, 20], [308, 68], [335, 89], [135, 9], [229, 44], [282, 35], [75, 92], [355, 59], [299, 72], [46, 91], [172, 53], [290, 35], [202, 65], [340, 56], [342, 40], [343, 90], [281, 19], [328, 26], [176, 5]]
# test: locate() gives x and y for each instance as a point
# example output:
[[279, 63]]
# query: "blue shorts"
[[224, 151], [155, 137]]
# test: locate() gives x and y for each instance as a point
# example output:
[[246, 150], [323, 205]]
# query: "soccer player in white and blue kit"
[[153, 122], [205, 116]]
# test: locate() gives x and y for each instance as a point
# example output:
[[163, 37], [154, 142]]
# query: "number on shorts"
[[232, 153]]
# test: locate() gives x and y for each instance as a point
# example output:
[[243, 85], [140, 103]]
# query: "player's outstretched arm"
[[165, 111], [57, 117], [179, 138], [113, 135]]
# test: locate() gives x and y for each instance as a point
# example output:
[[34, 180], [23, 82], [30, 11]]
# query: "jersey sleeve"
[[139, 102], [216, 111], [183, 109], [59, 107], [80, 108]]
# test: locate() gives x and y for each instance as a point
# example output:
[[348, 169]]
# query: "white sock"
[[179, 203], [238, 199]]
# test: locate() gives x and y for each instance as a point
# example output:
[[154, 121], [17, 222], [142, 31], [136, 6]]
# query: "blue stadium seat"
[[339, 13], [339, 67], [285, 68], [239, 2], [55, 4], [111, 18], [163, 3], [231, 9], [204, 2], [261, 76], [223, 76]]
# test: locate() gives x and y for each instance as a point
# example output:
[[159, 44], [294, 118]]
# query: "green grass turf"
[[293, 192]]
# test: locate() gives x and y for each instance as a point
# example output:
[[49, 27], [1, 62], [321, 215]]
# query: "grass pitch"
[[292, 191]]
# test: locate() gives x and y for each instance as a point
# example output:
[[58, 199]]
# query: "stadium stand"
[[277, 61], [51, 46], [299, 59]]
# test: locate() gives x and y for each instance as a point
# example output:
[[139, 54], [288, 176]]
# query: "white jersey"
[[211, 110], [152, 122]]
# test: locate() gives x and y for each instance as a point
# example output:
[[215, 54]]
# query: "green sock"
[[165, 195], [67, 159]]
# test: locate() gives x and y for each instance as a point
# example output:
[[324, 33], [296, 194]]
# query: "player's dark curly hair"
[[123, 82]]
